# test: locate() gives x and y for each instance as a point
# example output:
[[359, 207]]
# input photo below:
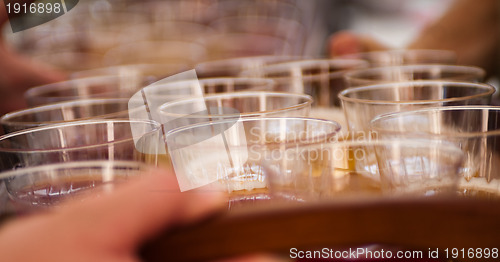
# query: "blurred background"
[[100, 33]]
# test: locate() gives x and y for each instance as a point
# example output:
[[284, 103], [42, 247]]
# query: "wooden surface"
[[408, 223]]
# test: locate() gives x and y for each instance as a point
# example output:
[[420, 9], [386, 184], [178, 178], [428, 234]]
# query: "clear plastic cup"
[[372, 76], [85, 88], [362, 104], [474, 129], [364, 170], [406, 57], [232, 106], [38, 188], [234, 66], [76, 110], [113, 139], [231, 152], [320, 78], [156, 95]]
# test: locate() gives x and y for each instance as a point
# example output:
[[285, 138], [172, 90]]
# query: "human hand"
[[107, 228], [111, 228], [346, 42]]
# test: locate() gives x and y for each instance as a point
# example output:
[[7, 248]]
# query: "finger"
[[142, 208], [345, 42]]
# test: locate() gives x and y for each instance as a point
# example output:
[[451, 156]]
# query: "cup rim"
[[355, 74], [284, 67], [315, 139], [180, 85], [156, 128], [308, 100], [114, 69], [215, 80], [36, 91], [395, 115], [230, 62], [428, 52], [71, 164], [342, 95], [6, 119]]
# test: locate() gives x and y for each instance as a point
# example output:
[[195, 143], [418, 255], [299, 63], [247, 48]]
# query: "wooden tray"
[[275, 228]]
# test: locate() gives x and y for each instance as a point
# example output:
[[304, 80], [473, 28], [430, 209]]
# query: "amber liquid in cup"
[[48, 193], [481, 187], [344, 178], [366, 169], [473, 129], [33, 189], [246, 185], [319, 180]]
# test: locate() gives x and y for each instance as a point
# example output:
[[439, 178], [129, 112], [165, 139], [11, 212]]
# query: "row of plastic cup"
[[298, 158], [257, 143], [321, 78]]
